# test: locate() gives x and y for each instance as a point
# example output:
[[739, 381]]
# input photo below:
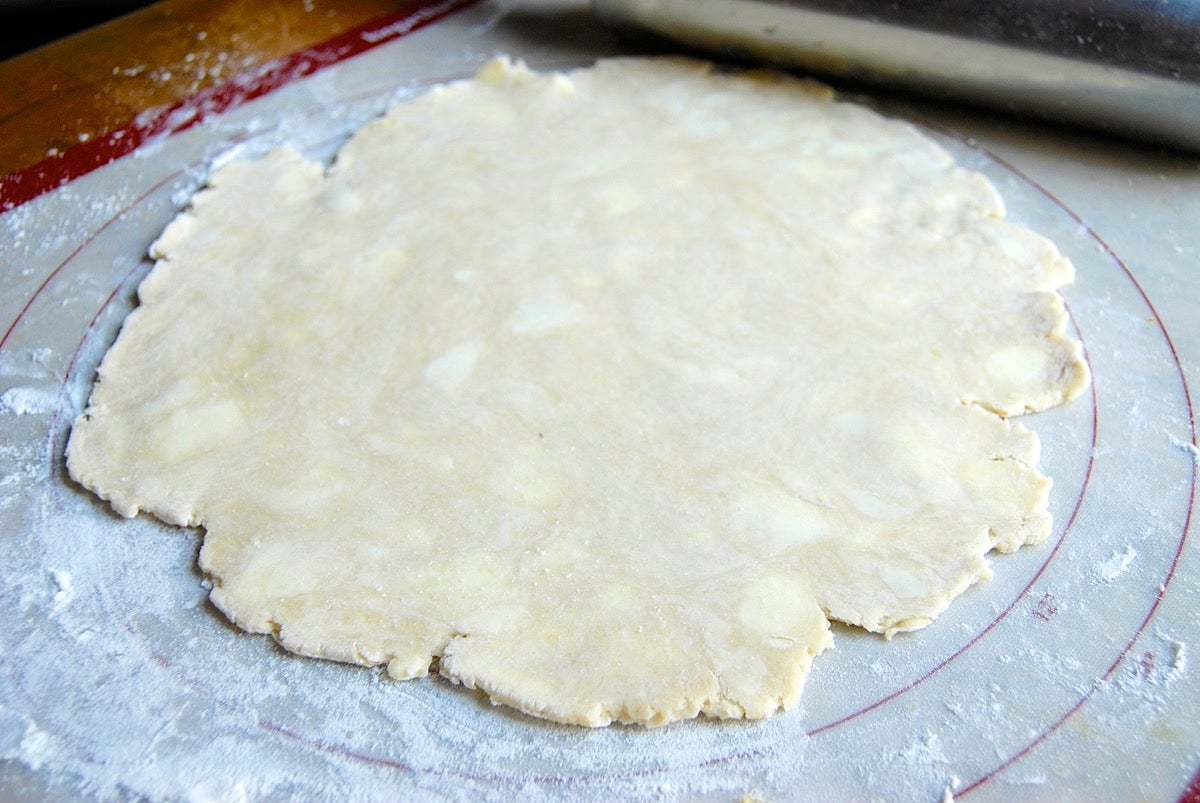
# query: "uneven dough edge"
[[179, 508]]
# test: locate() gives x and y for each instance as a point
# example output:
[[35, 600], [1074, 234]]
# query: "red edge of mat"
[[24, 185], [1192, 793]]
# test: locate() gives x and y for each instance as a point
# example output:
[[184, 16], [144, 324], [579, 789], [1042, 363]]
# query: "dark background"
[[27, 24]]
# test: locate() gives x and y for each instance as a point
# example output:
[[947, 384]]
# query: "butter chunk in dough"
[[605, 389]]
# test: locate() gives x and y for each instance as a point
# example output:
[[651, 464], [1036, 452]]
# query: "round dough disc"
[[601, 391]]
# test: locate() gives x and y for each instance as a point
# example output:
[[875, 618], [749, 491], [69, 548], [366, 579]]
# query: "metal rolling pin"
[[1125, 66]]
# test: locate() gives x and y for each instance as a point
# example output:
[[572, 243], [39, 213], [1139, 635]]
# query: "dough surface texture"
[[607, 389]]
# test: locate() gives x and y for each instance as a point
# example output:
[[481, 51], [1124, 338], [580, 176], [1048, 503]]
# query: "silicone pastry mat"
[[1071, 674]]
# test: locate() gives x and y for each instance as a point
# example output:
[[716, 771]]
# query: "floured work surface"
[[605, 390]]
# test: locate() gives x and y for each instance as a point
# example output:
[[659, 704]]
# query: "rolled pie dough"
[[601, 391]]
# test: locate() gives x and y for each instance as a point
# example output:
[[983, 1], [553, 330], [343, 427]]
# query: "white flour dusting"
[[27, 401], [65, 592], [37, 747], [31, 363], [1187, 447], [1179, 659], [1116, 564]]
